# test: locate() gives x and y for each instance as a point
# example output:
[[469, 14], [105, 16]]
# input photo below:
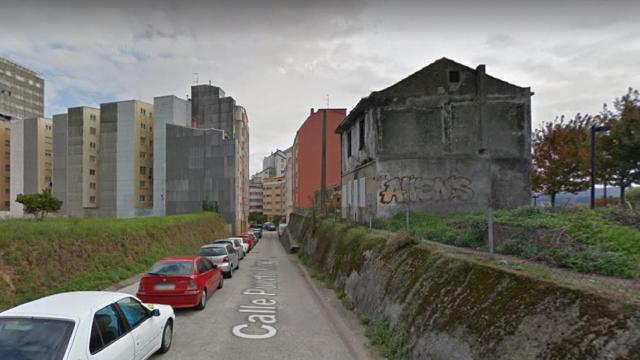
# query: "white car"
[[85, 326], [245, 246]]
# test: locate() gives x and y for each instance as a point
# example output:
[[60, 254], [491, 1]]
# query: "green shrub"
[[389, 341]]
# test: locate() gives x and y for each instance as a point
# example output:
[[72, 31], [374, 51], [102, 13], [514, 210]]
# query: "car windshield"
[[34, 339], [212, 251], [172, 268]]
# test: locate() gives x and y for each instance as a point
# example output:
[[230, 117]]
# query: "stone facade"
[[448, 138]]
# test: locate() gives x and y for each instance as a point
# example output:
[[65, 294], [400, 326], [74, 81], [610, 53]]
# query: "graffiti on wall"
[[411, 189]]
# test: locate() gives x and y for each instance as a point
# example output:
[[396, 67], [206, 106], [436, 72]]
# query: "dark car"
[[257, 232], [269, 226]]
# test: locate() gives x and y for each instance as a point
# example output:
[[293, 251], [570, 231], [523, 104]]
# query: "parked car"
[[181, 281], [257, 232], [250, 240], [245, 245], [85, 325], [281, 228], [237, 245], [252, 236], [269, 226], [223, 255]]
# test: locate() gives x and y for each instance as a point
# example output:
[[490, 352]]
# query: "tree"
[[39, 205], [561, 156], [621, 146]]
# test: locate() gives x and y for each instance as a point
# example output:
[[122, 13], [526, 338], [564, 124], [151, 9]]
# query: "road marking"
[[262, 310]]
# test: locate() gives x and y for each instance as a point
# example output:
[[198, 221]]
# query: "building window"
[[92, 199], [92, 145], [361, 133], [349, 143], [92, 158], [143, 184], [141, 198], [151, 128], [93, 131], [143, 155], [142, 140], [143, 111], [92, 186], [7, 179], [143, 126], [143, 170], [6, 167], [92, 171], [92, 117], [454, 76], [7, 204]]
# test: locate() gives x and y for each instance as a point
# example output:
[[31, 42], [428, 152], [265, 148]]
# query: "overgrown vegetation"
[[388, 340], [43, 257], [601, 241]]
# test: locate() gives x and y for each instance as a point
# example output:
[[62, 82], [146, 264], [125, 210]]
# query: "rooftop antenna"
[[209, 82], [195, 77], [327, 101]]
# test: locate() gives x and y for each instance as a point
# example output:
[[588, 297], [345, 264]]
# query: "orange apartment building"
[[307, 156]]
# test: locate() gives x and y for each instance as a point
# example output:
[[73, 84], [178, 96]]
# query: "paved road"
[[292, 317]]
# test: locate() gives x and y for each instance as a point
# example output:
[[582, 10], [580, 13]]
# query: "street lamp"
[[594, 130]]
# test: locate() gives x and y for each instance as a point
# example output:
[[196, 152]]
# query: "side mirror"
[[155, 312]]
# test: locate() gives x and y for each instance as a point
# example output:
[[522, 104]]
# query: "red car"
[[182, 282], [252, 236], [249, 240]]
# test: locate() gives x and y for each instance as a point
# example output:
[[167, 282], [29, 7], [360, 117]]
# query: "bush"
[[39, 205], [390, 341]]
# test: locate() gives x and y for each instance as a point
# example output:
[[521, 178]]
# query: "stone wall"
[[447, 306]]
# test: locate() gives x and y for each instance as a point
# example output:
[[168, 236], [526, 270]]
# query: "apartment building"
[[31, 156], [255, 197], [274, 198], [21, 92], [275, 163], [5, 167], [212, 109], [76, 158], [126, 159]]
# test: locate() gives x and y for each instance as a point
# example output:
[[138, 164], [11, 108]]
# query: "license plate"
[[165, 286]]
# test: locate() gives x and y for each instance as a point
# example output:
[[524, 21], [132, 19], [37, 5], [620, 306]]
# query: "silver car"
[[223, 255], [237, 245]]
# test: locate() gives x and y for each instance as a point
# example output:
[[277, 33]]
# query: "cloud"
[[280, 58]]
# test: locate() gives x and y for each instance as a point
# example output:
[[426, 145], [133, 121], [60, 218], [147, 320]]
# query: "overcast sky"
[[278, 59]]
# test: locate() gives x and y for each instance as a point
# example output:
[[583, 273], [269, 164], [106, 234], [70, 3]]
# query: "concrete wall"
[[200, 167], [438, 145], [59, 190], [108, 183], [75, 164], [167, 110], [17, 166], [30, 159]]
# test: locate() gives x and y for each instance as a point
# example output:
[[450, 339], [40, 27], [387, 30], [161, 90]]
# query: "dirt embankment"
[[57, 255], [448, 305]]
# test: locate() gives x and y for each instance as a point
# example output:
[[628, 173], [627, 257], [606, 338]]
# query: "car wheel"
[[229, 274], [203, 300], [221, 282], [167, 337], [238, 265]]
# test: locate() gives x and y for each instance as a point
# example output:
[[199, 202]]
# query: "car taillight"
[[192, 285], [226, 259]]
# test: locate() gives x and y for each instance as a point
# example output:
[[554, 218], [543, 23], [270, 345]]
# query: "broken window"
[[349, 143], [454, 76]]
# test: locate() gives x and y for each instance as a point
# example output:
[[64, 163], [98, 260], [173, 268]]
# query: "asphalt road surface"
[[270, 309]]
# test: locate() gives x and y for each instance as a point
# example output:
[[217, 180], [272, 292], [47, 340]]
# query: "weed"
[[390, 342]]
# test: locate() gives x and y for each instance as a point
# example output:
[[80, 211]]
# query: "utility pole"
[[323, 169]]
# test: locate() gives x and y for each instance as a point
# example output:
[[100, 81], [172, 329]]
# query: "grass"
[[38, 258], [387, 340], [593, 241]]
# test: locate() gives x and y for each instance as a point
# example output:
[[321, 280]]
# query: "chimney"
[[311, 111]]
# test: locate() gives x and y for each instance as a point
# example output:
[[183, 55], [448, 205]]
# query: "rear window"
[[172, 268], [212, 251], [34, 339]]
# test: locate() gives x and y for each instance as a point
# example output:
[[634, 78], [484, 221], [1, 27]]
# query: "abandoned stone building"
[[448, 138]]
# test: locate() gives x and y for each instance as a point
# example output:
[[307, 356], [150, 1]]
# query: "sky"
[[278, 59]]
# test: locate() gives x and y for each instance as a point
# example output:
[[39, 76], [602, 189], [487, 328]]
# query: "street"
[[267, 310]]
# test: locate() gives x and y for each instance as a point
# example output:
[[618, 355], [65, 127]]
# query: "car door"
[[145, 329], [205, 274], [233, 255], [109, 336]]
